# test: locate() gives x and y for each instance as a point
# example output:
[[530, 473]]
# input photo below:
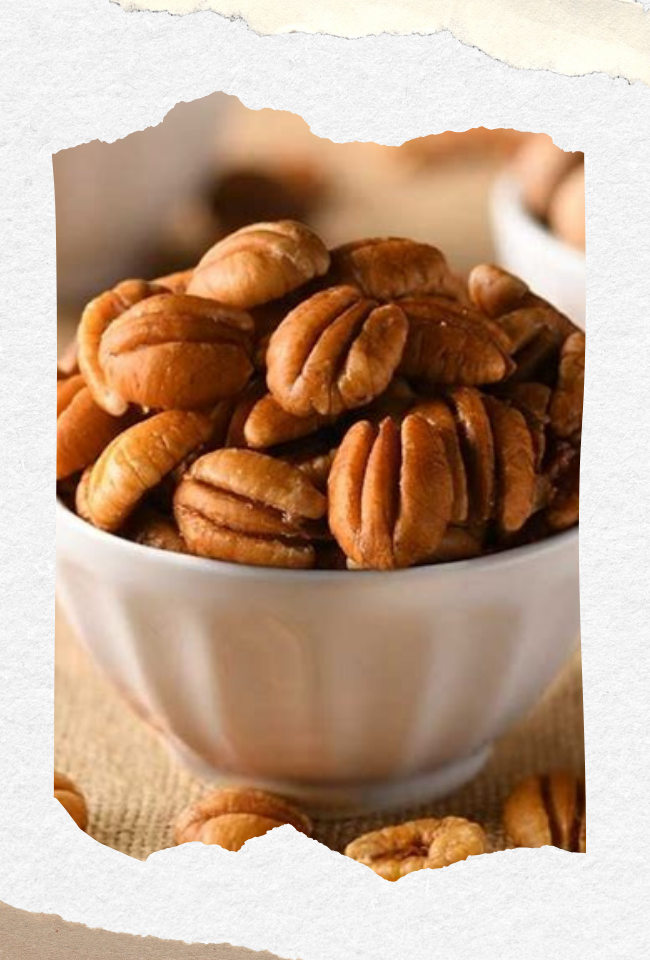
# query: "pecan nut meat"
[[567, 399], [231, 816], [516, 477], [95, 320], [71, 798], [336, 351], [548, 810], [246, 507], [177, 352], [389, 268], [449, 343], [259, 421], [136, 461], [83, 429], [391, 493], [426, 844], [260, 262]]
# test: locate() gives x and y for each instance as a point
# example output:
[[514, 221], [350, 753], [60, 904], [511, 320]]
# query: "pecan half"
[[177, 352], [152, 528], [533, 400], [548, 810], [516, 477], [418, 845], [499, 294], [477, 445], [136, 461], [336, 351], [449, 343], [71, 798], [83, 429], [175, 282], [567, 399], [562, 478], [229, 817], [391, 493], [438, 414], [245, 507], [260, 422], [95, 320], [387, 268], [258, 263]]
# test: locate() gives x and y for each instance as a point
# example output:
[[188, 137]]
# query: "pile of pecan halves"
[[287, 405]]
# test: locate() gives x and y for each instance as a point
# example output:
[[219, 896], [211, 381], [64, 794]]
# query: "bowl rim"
[[506, 194], [504, 559]]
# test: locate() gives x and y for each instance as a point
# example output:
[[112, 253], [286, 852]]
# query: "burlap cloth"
[[135, 789]]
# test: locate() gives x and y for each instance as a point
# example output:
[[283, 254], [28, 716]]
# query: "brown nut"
[[136, 461], [229, 817], [567, 399], [563, 487], [390, 493], [176, 352], [533, 400], [83, 429], [458, 543], [152, 528], [497, 293], [548, 810], [258, 263], [418, 845], [516, 477], [260, 422], [477, 445], [388, 268], [566, 212], [449, 343], [95, 320], [175, 282], [70, 796], [540, 166], [245, 507], [336, 351], [438, 414]]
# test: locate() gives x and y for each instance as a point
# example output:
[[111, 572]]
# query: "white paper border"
[[78, 72], [573, 37]]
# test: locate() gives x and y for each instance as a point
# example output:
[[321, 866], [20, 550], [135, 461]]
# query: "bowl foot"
[[340, 800]]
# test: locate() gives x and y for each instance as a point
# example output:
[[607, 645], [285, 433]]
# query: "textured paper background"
[[72, 72], [568, 36]]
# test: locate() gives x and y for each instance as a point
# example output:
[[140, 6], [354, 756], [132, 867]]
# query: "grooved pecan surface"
[[176, 352], [246, 507], [390, 493], [83, 429], [567, 399], [258, 263], [449, 343], [231, 816], [336, 351], [548, 810], [422, 844], [388, 268], [95, 321], [137, 460]]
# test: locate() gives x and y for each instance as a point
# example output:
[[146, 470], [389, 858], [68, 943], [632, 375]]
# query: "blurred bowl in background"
[[112, 198], [552, 268]]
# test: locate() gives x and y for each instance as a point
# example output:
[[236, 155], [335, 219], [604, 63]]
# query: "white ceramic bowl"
[[347, 691], [551, 267]]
